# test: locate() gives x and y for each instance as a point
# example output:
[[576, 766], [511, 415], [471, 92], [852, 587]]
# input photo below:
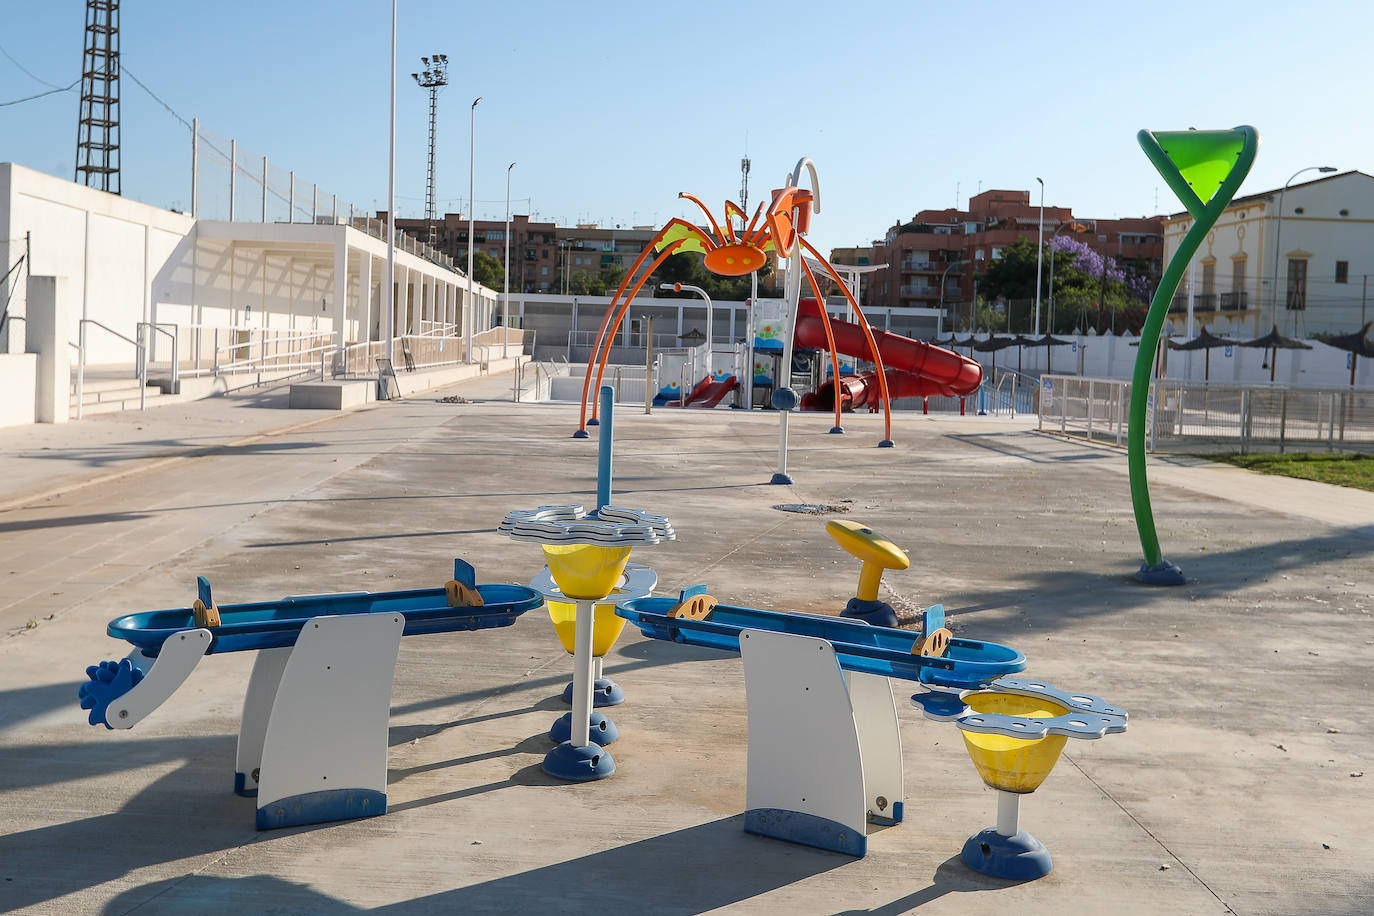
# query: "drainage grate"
[[810, 508]]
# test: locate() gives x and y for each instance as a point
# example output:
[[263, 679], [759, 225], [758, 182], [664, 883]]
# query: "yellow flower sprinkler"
[[587, 555], [1014, 732]]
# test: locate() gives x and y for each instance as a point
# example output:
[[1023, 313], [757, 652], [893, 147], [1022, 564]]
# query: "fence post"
[[1331, 422], [1283, 418], [195, 168], [1092, 408], [649, 365], [1120, 409], [1245, 421], [233, 174]]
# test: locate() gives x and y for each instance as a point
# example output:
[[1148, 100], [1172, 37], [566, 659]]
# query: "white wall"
[[17, 374], [106, 246], [1114, 357], [127, 262]]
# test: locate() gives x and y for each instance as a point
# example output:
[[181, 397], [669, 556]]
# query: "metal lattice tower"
[[744, 187], [97, 128], [435, 75]]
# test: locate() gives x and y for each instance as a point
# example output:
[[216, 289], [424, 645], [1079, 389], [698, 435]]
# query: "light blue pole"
[[603, 454]]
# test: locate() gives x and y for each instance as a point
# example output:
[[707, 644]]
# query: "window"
[[1209, 285], [1236, 299], [543, 271], [496, 235], [997, 252], [1342, 271], [1297, 284]]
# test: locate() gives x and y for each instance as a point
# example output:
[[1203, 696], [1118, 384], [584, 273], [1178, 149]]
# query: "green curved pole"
[[1205, 169]]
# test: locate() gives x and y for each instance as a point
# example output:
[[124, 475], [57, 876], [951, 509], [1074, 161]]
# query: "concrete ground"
[[1240, 787]]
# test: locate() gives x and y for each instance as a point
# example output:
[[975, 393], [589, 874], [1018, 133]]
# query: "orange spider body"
[[729, 255]]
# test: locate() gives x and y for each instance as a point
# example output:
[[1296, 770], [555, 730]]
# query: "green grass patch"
[[1341, 470]]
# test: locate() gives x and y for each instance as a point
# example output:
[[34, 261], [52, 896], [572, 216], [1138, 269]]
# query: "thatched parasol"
[[1205, 341], [992, 345], [1275, 341], [1357, 344]]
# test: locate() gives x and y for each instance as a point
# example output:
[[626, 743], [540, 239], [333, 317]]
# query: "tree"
[[1088, 290], [487, 271], [688, 270]]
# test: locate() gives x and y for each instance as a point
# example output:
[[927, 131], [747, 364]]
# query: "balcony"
[[922, 291], [914, 264], [1203, 302], [1235, 302]]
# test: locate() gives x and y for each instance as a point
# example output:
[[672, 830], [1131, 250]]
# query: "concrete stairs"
[[109, 395]]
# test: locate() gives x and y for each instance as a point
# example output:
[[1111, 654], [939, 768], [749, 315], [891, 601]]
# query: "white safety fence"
[[1191, 415]]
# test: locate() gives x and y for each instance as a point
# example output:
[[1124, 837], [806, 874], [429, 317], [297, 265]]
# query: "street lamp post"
[[388, 294], [1039, 254], [505, 297], [941, 308], [472, 220], [1278, 234], [684, 287]]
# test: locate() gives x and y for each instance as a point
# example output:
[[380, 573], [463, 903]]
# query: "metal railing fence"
[[1185, 415]]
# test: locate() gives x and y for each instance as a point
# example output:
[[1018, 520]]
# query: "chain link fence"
[[1195, 416]]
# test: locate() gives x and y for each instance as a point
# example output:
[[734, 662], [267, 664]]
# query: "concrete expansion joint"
[[1146, 830]]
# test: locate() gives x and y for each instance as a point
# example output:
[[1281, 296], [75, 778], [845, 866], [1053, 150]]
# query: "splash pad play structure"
[[587, 555], [810, 675], [903, 367], [1204, 168], [313, 736]]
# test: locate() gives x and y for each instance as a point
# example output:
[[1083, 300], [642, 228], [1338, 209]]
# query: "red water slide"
[[709, 392], [914, 367]]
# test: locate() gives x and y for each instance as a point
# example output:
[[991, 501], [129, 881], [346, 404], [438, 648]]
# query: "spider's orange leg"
[[605, 320], [624, 308], [715, 227], [830, 342], [868, 332], [749, 235]]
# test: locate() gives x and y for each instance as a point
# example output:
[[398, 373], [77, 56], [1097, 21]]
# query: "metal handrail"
[[81, 364], [158, 327]]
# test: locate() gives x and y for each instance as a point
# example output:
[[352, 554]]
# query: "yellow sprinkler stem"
[[876, 552]]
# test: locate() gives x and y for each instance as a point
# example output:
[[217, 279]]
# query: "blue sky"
[[611, 108]]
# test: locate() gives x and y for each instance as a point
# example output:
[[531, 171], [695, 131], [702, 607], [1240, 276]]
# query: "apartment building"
[[934, 258]]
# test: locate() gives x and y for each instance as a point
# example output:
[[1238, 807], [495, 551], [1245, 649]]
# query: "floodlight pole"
[[472, 154], [388, 295], [505, 318]]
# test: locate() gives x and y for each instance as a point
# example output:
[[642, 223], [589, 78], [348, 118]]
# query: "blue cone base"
[[837, 430], [593, 422], [886, 443], [1165, 573], [874, 613], [578, 764], [781, 478], [602, 731], [605, 692], [581, 434], [1015, 858]]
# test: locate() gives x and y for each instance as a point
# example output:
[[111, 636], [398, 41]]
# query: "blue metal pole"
[[603, 454]]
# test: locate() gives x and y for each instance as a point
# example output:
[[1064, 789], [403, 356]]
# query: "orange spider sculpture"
[[786, 218], [726, 254]]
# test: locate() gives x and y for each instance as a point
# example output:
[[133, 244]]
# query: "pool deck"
[[1240, 787]]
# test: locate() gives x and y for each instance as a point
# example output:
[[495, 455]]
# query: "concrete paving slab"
[[1231, 792]]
